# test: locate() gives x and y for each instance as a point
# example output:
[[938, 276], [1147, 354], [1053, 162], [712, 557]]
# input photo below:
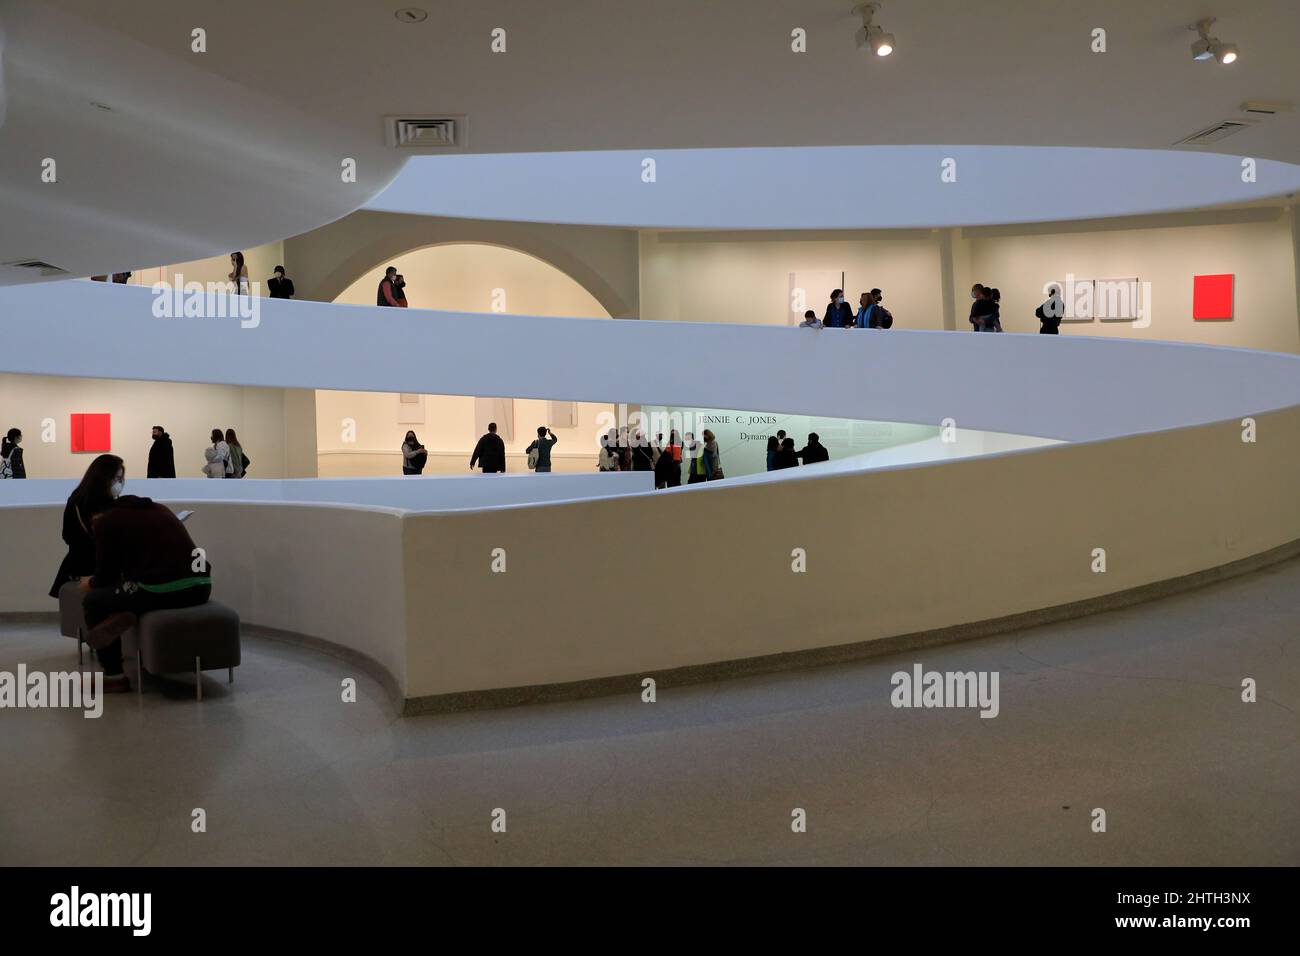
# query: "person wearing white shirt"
[[218, 457]]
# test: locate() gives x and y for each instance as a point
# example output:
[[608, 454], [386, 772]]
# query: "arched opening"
[[480, 277], [361, 433]]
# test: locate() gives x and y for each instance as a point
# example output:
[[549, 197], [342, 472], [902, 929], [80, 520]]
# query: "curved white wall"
[[827, 187], [1054, 387], [1157, 473]]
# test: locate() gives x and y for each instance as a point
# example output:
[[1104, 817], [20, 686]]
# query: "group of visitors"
[[986, 309], [621, 451], [279, 285], [225, 457], [871, 313], [127, 555], [985, 312], [781, 453]]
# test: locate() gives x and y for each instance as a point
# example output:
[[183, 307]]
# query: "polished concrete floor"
[[1138, 712]]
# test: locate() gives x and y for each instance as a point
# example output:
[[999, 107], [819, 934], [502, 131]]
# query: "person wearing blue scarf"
[[866, 305]]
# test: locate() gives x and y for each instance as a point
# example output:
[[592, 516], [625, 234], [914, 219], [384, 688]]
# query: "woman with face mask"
[[99, 488], [414, 455], [839, 314]]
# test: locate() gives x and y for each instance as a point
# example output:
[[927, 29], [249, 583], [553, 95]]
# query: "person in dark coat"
[[1049, 314], [279, 285], [490, 452], [814, 451], [144, 561], [162, 459], [786, 457], [643, 458], [101, 484], [881, 318], [982, 308], [668, 470]]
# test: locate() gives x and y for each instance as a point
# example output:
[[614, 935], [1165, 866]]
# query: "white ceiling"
[[241, 144]]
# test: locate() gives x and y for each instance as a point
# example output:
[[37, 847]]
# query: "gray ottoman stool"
[[72, 617], [201, 638]]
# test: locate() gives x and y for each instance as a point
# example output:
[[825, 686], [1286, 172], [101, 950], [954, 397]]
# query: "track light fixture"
[[872, 36], [1207, 47]]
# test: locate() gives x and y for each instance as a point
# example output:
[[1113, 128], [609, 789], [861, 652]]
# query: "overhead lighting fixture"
[[1224, 52], [872, 36], [1206, 47]]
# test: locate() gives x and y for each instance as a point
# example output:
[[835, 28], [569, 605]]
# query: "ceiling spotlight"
[[1207, 47], [1224, 52], [871, 36]]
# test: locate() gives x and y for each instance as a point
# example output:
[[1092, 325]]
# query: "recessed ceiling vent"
[[438, 134], [1264, 110], [1219, 131], [44, 268]]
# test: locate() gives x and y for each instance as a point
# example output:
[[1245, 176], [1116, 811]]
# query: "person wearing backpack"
[[539, 452], [11, 455], [1050, 312], [881, 318]]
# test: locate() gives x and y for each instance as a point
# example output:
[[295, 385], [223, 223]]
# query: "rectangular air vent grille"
[[1212, 134], [434, 133], [44, 268], [1259, 108]]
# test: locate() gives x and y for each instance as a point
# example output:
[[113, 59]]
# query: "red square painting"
[[1212, 297], [92, 432]]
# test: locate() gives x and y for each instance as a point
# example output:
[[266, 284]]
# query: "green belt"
[[180, 585]]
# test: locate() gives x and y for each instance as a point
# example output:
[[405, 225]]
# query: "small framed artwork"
[[564, 414], [410, 409], [499, 410], [1117, 300]]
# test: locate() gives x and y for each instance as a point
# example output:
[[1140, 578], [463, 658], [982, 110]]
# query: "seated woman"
[[145, 560], [101, 483]]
